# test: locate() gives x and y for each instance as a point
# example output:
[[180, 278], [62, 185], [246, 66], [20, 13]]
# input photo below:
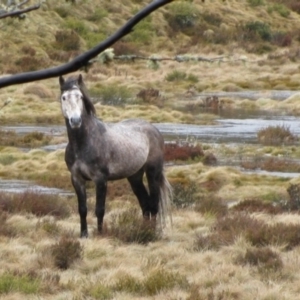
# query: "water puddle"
[[252, 95], [227, 130], [21, 186]]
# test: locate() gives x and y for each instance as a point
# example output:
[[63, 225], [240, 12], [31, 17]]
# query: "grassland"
[[234, 235]]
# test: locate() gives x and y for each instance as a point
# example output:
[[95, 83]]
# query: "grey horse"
[[102, 152]]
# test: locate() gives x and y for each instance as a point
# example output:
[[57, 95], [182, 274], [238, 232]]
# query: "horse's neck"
[[80, 137]]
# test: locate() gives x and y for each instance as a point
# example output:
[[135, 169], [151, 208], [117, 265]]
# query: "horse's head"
[[71, 100], [74, 100]]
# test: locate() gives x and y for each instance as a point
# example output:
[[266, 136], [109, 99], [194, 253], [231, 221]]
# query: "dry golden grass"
[[34, 248]]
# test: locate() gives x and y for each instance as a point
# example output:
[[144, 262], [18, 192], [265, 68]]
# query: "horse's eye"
[[63, 97]]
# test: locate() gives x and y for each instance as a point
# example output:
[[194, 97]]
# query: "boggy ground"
[[234, 235]]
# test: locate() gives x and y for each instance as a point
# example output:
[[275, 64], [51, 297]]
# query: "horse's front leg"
[[79, 186], [101, 188]]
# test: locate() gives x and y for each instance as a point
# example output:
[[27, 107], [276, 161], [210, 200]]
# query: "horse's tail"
[[165, 201]]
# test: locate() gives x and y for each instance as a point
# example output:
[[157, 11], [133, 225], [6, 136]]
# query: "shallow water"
[[229, 130], [21, 186], [234, 131]]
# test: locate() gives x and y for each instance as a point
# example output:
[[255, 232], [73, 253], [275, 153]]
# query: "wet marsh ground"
[[210, 253]]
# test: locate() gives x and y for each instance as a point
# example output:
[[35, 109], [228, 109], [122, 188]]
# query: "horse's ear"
[[61, 81], [80, 80]]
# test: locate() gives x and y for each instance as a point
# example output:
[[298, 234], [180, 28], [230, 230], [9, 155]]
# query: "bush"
[[184, 194], [183, 17], [276, 135], [32, 139], [212, 205], [129, 227], [63, 11], [176, 76], [186, 151], [281, 9], [257, 29], [66, 251], [97, 15], [264, 258], [76, 25], [35, 203], [67, 40], [253, 205], [255, 2], [30, 63], [294, 194], [143, 32], [112, 94]]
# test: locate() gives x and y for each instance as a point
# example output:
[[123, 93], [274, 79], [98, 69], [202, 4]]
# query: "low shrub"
[[184, 194], [276, 135], [129, 227], [66, 251], [39, 90], [255, 2], [67, 40], [182, 151], [143, 32], [282, 39], [264, 258], [97, 15], [32, 139], [271, 164], [281, 9], [26, 49], [28, 63], [183, 16], [112, 94], [76, 25], [6, 229], [294, 197], [252, 205], [212, 205], [63, 11], [35, 203], [176, 76], [255, 30]]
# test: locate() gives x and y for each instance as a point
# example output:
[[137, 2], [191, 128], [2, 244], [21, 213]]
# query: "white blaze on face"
[[72, 106]]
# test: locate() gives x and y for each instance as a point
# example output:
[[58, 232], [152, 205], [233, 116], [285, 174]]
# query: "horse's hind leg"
[[138, 187], [154, 177]]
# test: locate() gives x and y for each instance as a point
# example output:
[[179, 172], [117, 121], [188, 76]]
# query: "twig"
[[18, 12]]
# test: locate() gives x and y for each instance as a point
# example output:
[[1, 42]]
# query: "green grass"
[[23, 284]]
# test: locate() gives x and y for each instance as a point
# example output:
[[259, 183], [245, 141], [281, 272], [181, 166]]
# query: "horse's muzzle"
[[75, 122]]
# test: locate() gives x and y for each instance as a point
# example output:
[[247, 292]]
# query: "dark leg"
[[154, 177], [79, 187], [137, 185], [101, 187]]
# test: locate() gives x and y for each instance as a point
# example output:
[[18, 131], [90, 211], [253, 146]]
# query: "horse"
[[101, 152]]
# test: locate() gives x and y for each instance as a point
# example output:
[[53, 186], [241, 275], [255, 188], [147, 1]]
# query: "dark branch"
[[18, 12], [83, 59]]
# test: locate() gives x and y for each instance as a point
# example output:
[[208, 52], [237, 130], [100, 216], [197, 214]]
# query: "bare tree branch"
[[83, 59], [18, 12]]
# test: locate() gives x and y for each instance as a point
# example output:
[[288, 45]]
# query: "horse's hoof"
[[84, 234]]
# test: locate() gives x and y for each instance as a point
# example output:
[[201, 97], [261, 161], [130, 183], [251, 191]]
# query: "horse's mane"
[[78, 81]]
